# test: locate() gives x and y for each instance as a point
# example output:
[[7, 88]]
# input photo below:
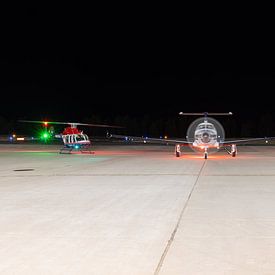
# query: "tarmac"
[[136, 210]]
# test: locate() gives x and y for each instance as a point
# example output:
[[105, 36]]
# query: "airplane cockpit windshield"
[[206, 126]]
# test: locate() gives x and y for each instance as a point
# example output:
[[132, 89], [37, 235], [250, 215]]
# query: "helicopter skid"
[[66, 150]]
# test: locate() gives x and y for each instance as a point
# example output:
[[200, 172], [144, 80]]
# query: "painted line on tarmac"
[[170, 241]]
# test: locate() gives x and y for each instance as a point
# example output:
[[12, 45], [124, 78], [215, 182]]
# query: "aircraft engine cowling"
[[205, 133]]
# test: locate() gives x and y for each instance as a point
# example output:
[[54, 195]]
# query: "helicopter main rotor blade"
[[97, 125], [71, 123], [46, 122], [41, 122]]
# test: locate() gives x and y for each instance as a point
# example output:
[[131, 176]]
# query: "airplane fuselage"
[[206, 136]]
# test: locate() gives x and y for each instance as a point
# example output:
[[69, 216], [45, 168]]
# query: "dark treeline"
[[153, 125]]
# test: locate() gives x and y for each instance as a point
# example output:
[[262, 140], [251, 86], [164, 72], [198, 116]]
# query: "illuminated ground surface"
[[136, 210]]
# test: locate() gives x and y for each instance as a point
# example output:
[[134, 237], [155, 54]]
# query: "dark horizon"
[[75, 89]]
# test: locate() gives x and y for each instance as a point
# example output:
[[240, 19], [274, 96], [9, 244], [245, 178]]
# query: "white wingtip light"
[[230, 113], [180, 113]]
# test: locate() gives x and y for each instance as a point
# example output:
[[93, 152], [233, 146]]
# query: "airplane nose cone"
[[205, 137]]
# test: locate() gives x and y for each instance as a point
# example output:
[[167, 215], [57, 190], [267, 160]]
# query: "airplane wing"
[[150, 140], [182, 141], [240, 141]]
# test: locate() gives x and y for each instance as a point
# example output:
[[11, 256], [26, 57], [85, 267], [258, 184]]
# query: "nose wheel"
[[205, 154]]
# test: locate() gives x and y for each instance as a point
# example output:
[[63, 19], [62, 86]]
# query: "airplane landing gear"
[[233, 150], [205, 154], [177, 150]]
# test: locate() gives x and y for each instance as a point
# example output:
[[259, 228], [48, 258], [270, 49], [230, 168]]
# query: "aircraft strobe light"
[[45, 123]]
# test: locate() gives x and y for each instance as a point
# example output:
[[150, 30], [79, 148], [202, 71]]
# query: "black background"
[[67, 65]]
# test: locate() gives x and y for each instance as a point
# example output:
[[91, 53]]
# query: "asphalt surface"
[[136, 210]]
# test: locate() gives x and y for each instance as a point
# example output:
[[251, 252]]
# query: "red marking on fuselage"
[[71, 131]]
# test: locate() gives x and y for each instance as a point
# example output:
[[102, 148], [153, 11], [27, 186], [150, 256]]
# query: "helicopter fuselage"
[[74, 138]]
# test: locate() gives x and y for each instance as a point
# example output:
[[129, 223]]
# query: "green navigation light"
[[45, 136]]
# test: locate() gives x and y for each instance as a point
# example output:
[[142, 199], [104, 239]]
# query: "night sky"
[[70, 87], [79, 69]]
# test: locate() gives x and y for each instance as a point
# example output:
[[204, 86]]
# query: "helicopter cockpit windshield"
[[75, 138], [81, 137]]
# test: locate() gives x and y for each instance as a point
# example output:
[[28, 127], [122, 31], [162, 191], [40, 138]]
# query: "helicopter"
[[204, 134], [74, 139]]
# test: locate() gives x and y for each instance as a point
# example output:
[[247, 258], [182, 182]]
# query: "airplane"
[[74, 140], [205, 135]]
